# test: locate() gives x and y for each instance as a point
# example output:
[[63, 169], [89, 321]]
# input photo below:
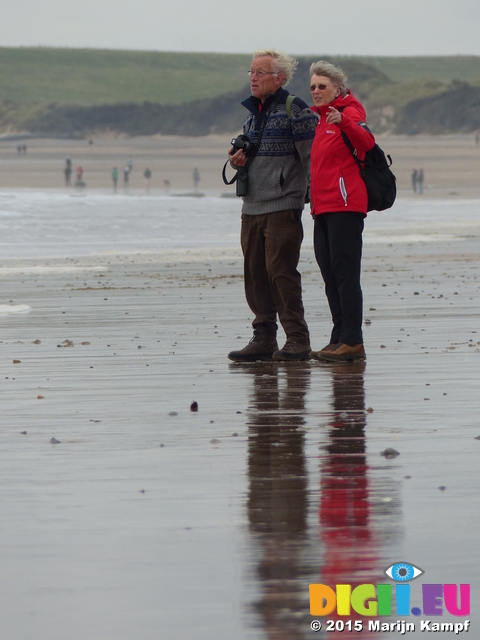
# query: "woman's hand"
[[334, 116]]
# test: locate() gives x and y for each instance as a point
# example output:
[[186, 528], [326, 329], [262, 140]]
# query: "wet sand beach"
[[126, 514]]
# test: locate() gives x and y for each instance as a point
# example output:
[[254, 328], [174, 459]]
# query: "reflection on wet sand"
[[344, 506], [289, 551], [346, 530], [277, 497]]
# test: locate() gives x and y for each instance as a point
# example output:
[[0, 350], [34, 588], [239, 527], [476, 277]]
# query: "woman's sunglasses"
[[322, 87]]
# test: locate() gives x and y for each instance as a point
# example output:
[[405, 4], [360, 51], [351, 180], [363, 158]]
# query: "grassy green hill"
[[83, 91], [441, 68], [90, 77]]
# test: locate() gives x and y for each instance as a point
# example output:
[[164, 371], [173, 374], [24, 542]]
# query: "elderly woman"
[[339, 206]]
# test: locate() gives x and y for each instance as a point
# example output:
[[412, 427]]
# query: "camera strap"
[[257, 144], [224, 174], [264, 124]]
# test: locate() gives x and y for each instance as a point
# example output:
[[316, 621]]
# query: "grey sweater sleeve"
[[304, 124]]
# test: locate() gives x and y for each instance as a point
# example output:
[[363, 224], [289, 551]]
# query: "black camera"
[[241, 177], [242, 142]]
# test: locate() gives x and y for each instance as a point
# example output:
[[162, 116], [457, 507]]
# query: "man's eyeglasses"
[[322, 87], [261, 74]]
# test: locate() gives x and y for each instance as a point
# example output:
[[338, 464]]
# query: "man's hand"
[[238, 159]]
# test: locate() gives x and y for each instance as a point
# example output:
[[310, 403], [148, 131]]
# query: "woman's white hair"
[[281, 62], [336, 75]]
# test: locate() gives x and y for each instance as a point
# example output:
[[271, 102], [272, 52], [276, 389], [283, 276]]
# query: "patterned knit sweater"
[[279, 175]]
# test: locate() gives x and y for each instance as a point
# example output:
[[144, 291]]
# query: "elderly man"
[[282, 131]]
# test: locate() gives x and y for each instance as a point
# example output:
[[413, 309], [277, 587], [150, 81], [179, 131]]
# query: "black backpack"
[[379, 180]]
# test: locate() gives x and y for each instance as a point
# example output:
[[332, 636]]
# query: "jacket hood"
[[342, 102]]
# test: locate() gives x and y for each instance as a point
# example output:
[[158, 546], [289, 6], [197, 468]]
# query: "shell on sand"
[[14, 308]]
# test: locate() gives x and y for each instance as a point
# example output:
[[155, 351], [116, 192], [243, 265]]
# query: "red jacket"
[[336, 184]]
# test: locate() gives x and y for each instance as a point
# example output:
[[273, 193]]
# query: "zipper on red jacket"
[[343, 190]]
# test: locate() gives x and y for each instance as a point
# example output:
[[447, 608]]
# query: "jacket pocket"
[[263, 183]]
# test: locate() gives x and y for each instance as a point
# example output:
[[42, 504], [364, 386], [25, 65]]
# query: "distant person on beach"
[[68, 171], [147, 174], [126, 176], [339, 207], [130, 164], [114, 179], [167, 184], [414, 180], [420, 180], [79, 182], [196, 178], [272, 231]]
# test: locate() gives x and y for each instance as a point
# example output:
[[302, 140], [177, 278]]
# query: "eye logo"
[[403, 572]]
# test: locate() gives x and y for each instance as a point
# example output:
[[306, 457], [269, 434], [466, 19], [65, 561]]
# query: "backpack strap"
[[288, 105], [353, 151], [288, 108]]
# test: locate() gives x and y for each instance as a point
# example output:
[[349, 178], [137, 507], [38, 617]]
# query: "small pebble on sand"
[[389, 453], [66, 343]]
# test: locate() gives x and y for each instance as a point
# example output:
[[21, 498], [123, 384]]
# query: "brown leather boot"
[[260, 347], [344, 353], [293, 351], [318, 354]]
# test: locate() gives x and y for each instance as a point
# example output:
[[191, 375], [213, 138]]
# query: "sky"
[[302, 27]]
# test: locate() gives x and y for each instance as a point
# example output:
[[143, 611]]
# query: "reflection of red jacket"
[[336, 184]]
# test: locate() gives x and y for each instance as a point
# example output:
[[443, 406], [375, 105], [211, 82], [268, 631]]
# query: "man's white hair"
[[281, 62]]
